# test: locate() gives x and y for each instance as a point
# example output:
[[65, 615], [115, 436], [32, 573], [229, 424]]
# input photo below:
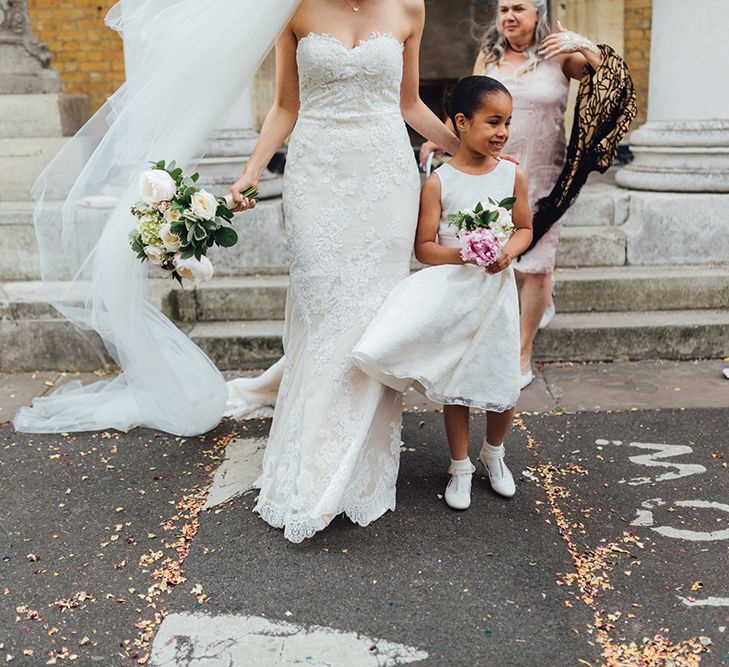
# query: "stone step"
[[639, 288], [242, 299], [18, 245], [42, 115], [571, 337], [262, 247], [53, 344], [599, 289], [34, 337], [49, 344], [685, 334], [599, 204], [21, 160], [591, 246], [263, 297], [240, 345]]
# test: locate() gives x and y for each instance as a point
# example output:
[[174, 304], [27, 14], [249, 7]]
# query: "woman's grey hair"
[[494, 44]]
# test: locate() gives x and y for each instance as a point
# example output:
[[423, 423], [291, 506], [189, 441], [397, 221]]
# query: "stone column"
[[24, 62], [684, 146], [679, 180]]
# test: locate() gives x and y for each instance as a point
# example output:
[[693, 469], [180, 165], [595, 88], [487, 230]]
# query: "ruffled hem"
[[298, 528], [424, 386]]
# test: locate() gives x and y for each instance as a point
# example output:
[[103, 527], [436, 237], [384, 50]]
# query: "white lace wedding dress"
[[351, 204]]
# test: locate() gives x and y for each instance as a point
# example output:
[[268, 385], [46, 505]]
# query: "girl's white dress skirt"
[[452, 332]]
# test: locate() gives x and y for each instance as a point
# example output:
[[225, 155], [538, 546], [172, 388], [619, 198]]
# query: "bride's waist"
[[351, 117]]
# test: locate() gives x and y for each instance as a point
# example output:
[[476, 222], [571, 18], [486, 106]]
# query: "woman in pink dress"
[[536, 66]]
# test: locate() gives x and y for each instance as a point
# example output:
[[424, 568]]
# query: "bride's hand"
[[510, 158], [240, 203], [426, 150]]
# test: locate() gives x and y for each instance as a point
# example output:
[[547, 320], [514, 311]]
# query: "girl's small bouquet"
[[177, 222], [484, 230]]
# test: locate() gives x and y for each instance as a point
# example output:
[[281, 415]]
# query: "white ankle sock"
[[493, 452], [463, 465]]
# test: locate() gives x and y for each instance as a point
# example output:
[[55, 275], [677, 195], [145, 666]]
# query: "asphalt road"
[[614, 550]]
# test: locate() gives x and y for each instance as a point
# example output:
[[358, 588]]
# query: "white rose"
[[195, 270], [156, 186], [154, 254], [204, 205], [503, 227], [173, 215], [170, 241]]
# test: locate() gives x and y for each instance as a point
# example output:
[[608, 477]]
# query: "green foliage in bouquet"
[[481, 216], [178, 220]]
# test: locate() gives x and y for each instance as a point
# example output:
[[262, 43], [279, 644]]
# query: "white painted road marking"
[[238, 473], [198, 640], [708, 602], [645, 518], [664, 452], [661, 451]]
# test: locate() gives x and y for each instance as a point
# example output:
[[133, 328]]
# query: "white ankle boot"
[[458, 491], [500, 477]]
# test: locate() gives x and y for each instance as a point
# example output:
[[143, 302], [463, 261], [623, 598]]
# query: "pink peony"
[[480, 246]]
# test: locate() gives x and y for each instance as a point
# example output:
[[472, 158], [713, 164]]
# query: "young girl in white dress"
[[452, 330]]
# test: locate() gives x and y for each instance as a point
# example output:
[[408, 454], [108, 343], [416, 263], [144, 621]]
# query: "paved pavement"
[[614, 551]]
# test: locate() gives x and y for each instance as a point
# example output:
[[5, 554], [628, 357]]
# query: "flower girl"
[[452, 330]]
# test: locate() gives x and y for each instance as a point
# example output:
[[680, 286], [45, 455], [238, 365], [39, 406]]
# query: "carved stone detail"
[[15, 29]]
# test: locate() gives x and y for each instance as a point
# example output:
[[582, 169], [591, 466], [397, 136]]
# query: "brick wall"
[[88, 55], [638, 15]]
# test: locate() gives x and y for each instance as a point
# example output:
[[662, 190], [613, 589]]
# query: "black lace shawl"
[[604, 110]]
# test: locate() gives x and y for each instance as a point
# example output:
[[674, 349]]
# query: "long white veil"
[[191, 61]]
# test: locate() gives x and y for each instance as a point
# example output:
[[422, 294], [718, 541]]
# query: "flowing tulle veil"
[[191, 60]]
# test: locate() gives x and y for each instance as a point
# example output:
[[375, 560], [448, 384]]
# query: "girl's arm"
[[416, 114], [521, 216], [427, 250], [280, 120]]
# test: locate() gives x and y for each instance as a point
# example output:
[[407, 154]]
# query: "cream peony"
[[156, 186], [195, 270], [204, 205], [170, 241]]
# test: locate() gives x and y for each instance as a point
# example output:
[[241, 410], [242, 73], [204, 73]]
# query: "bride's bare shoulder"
[[308, 7], [415, 8]]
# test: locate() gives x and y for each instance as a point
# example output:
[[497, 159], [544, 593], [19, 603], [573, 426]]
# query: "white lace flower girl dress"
[[451, 331]]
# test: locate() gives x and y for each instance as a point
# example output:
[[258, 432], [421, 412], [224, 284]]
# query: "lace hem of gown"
[[298, 528], [422, 386]]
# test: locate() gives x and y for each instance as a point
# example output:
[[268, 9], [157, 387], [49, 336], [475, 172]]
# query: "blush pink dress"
[[537, 139]]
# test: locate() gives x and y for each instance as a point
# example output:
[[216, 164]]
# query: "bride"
[[347, 76], [347, 81]]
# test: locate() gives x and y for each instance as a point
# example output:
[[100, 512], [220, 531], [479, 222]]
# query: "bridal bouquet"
[[177, 222], [484, 230]]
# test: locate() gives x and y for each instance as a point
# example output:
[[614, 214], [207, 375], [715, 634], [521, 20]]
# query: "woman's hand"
[[426, 150], [565, 41], [240, 203]]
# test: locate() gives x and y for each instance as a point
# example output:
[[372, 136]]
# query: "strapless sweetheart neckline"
[[375, 35]]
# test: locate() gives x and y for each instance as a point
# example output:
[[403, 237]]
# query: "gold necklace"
[[355, 8]]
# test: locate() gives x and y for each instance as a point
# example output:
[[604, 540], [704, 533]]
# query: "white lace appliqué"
[[351, 202]]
